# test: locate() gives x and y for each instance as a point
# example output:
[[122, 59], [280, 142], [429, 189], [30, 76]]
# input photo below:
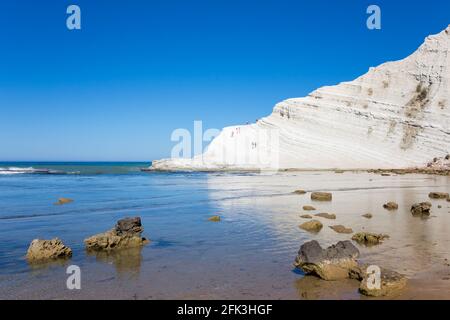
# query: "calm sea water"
[[249, 254]]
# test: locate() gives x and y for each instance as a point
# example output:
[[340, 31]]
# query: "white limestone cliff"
[[397, 115]]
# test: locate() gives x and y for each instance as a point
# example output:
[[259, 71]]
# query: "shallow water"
[[249, 254]]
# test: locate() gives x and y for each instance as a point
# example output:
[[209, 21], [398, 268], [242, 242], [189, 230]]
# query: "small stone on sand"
[[309, 208], [326, 215], [321, 196], [390, 206], [312, 226], [438, 195], [341, 229]]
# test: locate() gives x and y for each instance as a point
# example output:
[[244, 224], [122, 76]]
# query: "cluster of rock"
[[339, 262], [126, 234]]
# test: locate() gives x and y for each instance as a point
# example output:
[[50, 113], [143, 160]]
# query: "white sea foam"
[[16, 170]]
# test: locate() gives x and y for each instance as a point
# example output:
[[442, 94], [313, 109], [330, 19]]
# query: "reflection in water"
[[42, 267], [127, 262], [313, 288]]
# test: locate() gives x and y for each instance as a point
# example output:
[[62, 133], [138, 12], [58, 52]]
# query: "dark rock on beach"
[[299, 191], [390, 206], [333, 263], [309, 208], [421, 209], [126, 234], [367, 215]]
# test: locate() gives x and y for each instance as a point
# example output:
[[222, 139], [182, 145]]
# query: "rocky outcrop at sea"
[[44, 250], [126, 234]]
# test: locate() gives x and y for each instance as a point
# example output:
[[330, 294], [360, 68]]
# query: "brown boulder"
[[321, 196], [309, 208], [333, 263], [40, 250], [421, 209], [312, 226], [391, 282], [390, 206], [438, 195]]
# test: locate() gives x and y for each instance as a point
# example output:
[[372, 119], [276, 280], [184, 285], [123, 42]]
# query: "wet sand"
[[249, 254]]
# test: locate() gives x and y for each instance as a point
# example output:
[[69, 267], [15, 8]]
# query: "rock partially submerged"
[[126, 234], [321, 196], [300, 191], [62, 201], [42, 250], [390, 206], [309, 208], [338, 262], [367, 215], [312, 226], [325, 215], [214, 219], [341, 229], [306, 216], [438, 195], [421, 209], [333, 263], [369, 239], [390, 283]]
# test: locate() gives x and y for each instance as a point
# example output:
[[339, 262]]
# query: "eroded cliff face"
[[397, 115]]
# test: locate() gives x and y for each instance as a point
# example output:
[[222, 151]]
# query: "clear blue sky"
[[139, 69]]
